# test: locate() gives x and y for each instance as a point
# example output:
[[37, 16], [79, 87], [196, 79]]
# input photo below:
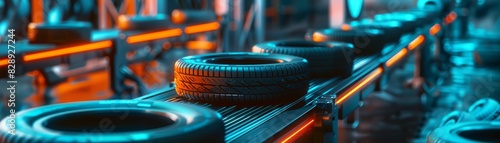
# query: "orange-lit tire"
[[231, 78]]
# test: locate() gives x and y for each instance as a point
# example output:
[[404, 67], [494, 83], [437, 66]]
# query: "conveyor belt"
[[240, 121]]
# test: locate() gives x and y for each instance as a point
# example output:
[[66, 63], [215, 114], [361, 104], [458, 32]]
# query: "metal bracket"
[[325, 120]]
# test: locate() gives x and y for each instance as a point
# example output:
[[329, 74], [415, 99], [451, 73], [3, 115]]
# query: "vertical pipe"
[[37, 9], [238, 22], [149, 7], [336, 12], [260, 20], [130, 10], [224, 8]]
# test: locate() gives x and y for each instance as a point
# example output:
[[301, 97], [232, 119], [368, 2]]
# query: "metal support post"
[[325, 128]]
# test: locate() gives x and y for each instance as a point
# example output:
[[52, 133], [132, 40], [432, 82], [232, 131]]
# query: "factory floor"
[[474, 74]]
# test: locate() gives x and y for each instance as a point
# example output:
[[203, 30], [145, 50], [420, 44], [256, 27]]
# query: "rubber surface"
[[59, 33], [231, 78], [142, 23], [325, 58], [486, 109], [365, 41], [116, 121], [456, 117], [468, 132], [392, 29]]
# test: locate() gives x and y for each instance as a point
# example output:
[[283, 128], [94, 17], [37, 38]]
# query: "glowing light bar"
[[396, 57], [298, 132], [154, 35], [435, 29], [360, 85], [202, 28], [4, 62], [178, 16], [415, 43], [68, 50]]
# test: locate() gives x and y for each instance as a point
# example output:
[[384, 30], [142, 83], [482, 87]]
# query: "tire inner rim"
[[293, 44], [112, 121], [481, 135], [242, 60]]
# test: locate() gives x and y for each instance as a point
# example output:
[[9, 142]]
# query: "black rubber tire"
[[225, 78], [467, 132], [142, 23], [455, 117], [116, 121], [486, 109], [325, 58], [426, 17], [60, 33], [410, 23], [365, 41]]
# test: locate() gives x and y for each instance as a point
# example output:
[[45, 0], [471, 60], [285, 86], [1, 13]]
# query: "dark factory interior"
[[288, 71]]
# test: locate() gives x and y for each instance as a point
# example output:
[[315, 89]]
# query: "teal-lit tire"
[[116, 121], [467, 132]]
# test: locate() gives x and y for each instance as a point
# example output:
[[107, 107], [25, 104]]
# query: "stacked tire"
[[479, 124]]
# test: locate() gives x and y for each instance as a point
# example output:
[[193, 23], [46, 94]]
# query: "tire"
[[410, 23], [60, 33], [116, 121], [325, 59], [142, 23], [365, 41], [468, 132], [392, 29], [485, 110], [240, 78], [188, 17], [456, 117]]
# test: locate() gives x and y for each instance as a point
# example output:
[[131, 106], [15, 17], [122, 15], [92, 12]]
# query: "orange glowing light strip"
[[154, 35], [4, 62], [68, 50], [297, 131], [202, 28], [360, 85], [415, 43], [435, 29], [396, 57]]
